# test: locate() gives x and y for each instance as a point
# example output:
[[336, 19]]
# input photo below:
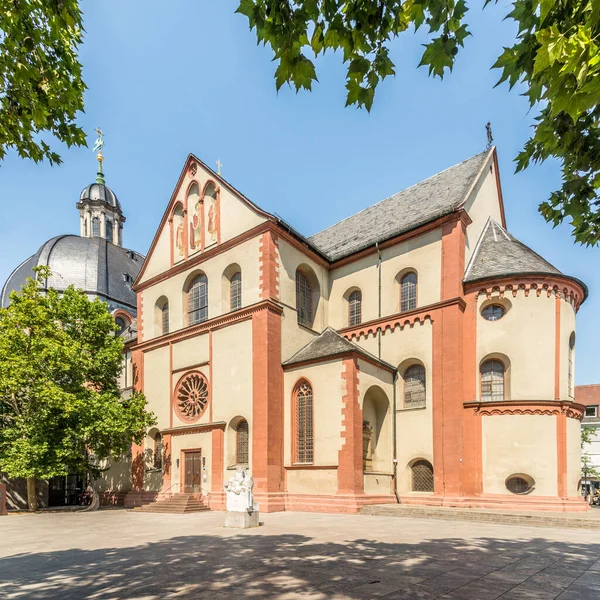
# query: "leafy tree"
[[41, 89], [555, 57], [587, 467], [60, 406]]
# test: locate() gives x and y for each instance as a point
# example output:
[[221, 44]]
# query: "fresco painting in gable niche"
[[178, 227], [195, 210], [210, 206]]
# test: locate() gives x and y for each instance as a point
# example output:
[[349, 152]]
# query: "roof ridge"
[[399, 192]]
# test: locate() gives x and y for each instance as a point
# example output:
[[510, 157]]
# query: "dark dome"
[[92, 264], [100, 192]]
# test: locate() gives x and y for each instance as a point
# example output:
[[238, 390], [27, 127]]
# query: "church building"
[[415, 352]]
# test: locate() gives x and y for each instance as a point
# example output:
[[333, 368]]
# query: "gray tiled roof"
[[433, 198], [91, 264], [498, 253], [330, 344]]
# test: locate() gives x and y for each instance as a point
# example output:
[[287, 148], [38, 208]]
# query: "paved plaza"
[[125, 554]]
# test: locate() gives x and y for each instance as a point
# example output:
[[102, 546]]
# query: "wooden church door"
[[193, 472]]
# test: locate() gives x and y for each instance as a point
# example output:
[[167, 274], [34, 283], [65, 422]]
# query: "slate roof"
[[498, 253], [91, 264], [330, 344], [435, 197]]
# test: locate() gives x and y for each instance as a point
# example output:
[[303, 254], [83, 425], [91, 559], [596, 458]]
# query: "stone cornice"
[[528, 407], [224, 320], [188, 429], [419, 315]]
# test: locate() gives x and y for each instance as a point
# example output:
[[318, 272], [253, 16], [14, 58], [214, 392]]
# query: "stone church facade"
[[415, 352]]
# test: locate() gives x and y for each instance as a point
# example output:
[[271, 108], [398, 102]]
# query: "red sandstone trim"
[[218, 460], [557, 347], [188, 429], [166, 462], [528, 407], [306, 467], [331, 357], [350, 456], [269, 266]]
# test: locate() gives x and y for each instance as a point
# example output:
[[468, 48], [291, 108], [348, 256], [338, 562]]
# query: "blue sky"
[[164, 83]]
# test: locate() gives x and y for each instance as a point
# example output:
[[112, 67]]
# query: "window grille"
[[422, 476], [235, 291], [304, 423], [414, 387], [303, 300], [165, 318], [198, 300], [493, 312], [408, 292], [95, 227], [109, 230], [518, 485], [355, 308], [158, 451], [492, 381], [242, 443]]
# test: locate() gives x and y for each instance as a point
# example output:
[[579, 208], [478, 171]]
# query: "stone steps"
[[588, 520], [177, 504]]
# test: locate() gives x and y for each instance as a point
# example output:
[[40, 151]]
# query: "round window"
[[493, 312], [519, 484], [191, 397]]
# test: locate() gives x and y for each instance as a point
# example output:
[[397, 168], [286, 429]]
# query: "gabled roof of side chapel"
[[329, 344]]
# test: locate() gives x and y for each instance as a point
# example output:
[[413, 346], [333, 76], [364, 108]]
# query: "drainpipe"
[[379, 300], [395, 451]]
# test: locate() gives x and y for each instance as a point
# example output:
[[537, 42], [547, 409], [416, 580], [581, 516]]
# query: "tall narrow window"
[[571, 361], [95, 227], [408, 292], [85, 228], [109, 230], [355, 308], [414, 386], [235, 291], [303, 299], [198, 300], [304, 423], [241, 443], [164, 313], [492, 381]]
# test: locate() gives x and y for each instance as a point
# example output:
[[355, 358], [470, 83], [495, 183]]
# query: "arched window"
[[303, 415], [164, 313], [422, 476], [355, 308], [198, 300], [121, 324], [408, 292], [158, 451], [95, 227], [571, 362], [303, 299], [241, 443], [414, 386], [235, 291], [109, 230], [492, 381]]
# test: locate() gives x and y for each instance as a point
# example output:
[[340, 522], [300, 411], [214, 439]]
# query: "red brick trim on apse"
[[350, 456]]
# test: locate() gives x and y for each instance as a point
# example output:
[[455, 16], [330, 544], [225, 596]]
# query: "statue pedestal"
[[241, 520]]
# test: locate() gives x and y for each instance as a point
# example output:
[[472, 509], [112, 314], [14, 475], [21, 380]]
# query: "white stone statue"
[[241, 512]]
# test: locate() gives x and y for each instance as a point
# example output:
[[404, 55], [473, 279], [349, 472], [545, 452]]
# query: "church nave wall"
[[156, 384]]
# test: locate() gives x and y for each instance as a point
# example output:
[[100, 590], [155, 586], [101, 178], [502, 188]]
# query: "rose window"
[[191, 397]]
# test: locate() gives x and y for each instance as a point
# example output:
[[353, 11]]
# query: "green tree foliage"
[[587, 468], [41, 89], [61, 410], [555, 57]]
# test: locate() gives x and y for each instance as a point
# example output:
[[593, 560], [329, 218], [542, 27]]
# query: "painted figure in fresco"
[[195, 227], [212, 221], [179, 237]]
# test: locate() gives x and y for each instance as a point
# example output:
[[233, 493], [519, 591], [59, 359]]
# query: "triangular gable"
[[194, 221]]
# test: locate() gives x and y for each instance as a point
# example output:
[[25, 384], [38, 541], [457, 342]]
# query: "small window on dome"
[[121, 324], [493, 312], [109, 230]]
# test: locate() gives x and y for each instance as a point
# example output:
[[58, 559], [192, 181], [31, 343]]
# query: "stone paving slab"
[[113, 555]]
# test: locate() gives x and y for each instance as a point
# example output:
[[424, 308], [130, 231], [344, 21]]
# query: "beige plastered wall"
[[293, 336], [246, 255], [201, 440], [526, 336], [156, 384], [326, 381], [117, 477], [567, 326], [236, 217], [573, 456], [423, 254], [513, 444], [483, 203], [290, 258], [414, 426]]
